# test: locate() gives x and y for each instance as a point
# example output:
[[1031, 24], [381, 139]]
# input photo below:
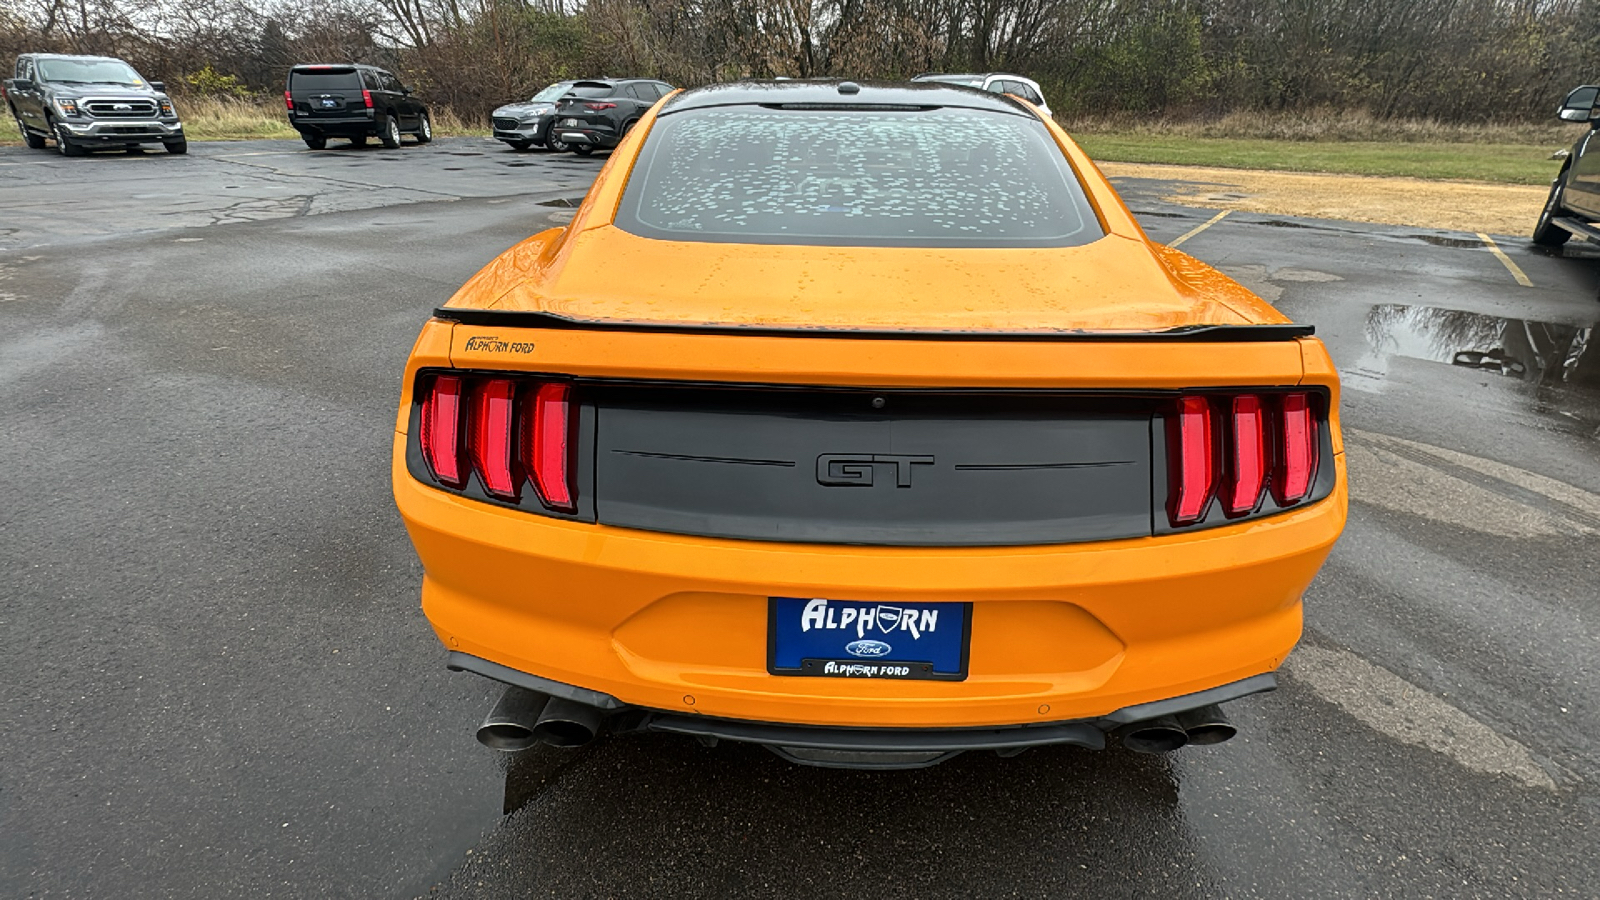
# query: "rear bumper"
[[343, 126], [677, 624], [593, 137], [854, 747]]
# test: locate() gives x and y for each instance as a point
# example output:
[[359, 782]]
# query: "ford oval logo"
[[867, 649]]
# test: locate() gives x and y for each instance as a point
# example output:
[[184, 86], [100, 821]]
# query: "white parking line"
[[1199, 228], [1516, 272]]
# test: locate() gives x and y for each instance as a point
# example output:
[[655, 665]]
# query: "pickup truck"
[[88, 103], [1573, 207]]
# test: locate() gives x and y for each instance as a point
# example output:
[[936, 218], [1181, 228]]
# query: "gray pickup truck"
[[1573, 207], [88, 103]]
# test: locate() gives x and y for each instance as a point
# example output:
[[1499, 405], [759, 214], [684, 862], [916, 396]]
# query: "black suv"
[[1574, 203], [594, 115], [355, 102]]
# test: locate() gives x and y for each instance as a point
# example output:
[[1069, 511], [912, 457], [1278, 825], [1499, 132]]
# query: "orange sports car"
[[863, 422]]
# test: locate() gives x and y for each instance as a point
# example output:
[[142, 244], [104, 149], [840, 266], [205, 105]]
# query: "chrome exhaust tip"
[[564, 723], [1206, 725], [510, 725], [1160, 735]]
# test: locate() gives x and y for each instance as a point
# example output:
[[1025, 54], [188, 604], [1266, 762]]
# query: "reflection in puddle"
[[1558, 364]]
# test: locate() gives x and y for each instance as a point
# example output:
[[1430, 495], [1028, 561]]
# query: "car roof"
[[932, 75], [827, 92], [73, 56]]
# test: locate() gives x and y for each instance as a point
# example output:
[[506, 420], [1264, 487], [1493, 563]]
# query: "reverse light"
[[1248, 459], [1193, 461], [441, 430], [545, 445], [490, 435], [599, 106], [1297, 450]]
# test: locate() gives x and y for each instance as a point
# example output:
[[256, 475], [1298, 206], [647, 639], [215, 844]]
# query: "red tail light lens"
[[545, 445], [1248, 438], [490, 434], [599, 106], [288, 101], [366, 97], [1297, 451], [1193, 466], [441, 430]]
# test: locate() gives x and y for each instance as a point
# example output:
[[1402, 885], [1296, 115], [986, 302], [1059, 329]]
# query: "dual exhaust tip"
[[523, 718], [1203, 726]]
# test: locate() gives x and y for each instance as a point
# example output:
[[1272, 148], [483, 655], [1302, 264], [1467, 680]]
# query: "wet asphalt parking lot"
[[216, 680]]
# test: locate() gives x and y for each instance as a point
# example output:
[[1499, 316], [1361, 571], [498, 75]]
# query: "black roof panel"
[[826, 92]]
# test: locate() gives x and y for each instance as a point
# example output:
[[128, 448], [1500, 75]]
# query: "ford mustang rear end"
[[864, 423]]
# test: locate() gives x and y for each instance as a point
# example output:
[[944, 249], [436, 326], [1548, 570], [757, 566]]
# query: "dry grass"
[[1327, 126]]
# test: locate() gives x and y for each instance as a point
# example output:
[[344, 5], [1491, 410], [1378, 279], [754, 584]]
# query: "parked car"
[[995, 83], [355, 102], [527, 124], [595, 115], [1573, 206], [88, 103], [863, 422]]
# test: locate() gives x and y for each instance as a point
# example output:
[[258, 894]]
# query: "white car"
[[996, 83]]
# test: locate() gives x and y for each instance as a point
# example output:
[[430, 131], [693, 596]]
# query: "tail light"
[[1297, 462], [288, 101], [496, 435], [599, 106], [1263, 440], [1248, 443], [441, 430], [545, 445], [366, 97], [490, 437], [1194, 461]]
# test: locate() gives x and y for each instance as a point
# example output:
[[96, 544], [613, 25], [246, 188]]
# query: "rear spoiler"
[[1210, 334]]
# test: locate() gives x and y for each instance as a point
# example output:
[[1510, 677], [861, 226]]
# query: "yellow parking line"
[[1199, 228], [1511, 267]]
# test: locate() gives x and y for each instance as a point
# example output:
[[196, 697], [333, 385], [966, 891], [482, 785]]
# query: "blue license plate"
[[856, 639]]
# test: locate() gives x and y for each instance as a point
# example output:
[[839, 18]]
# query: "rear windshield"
[[861, 177], [591, 90], [89, 71], [553, 92], [339, 79]]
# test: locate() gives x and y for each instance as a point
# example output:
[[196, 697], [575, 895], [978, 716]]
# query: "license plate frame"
[[818, 652]]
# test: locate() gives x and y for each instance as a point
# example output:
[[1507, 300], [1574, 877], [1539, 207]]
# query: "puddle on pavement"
[[1557, 366], [1442, 241]]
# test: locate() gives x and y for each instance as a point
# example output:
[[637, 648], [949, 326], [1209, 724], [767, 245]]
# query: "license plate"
[[569, 122], [328, 103], [856, 639]]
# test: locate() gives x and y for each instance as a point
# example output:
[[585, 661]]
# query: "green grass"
[[1495, 162]]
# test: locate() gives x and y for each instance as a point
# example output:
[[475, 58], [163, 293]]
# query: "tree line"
[[1466, 60]]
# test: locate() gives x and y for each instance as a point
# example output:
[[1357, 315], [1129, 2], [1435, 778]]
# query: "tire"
[[176, 148], [391, 133], [551, 142], [65, 146], [582, 149], [425, 129], [315, 141], [34, 141], [1547, 233], [520, 145]]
